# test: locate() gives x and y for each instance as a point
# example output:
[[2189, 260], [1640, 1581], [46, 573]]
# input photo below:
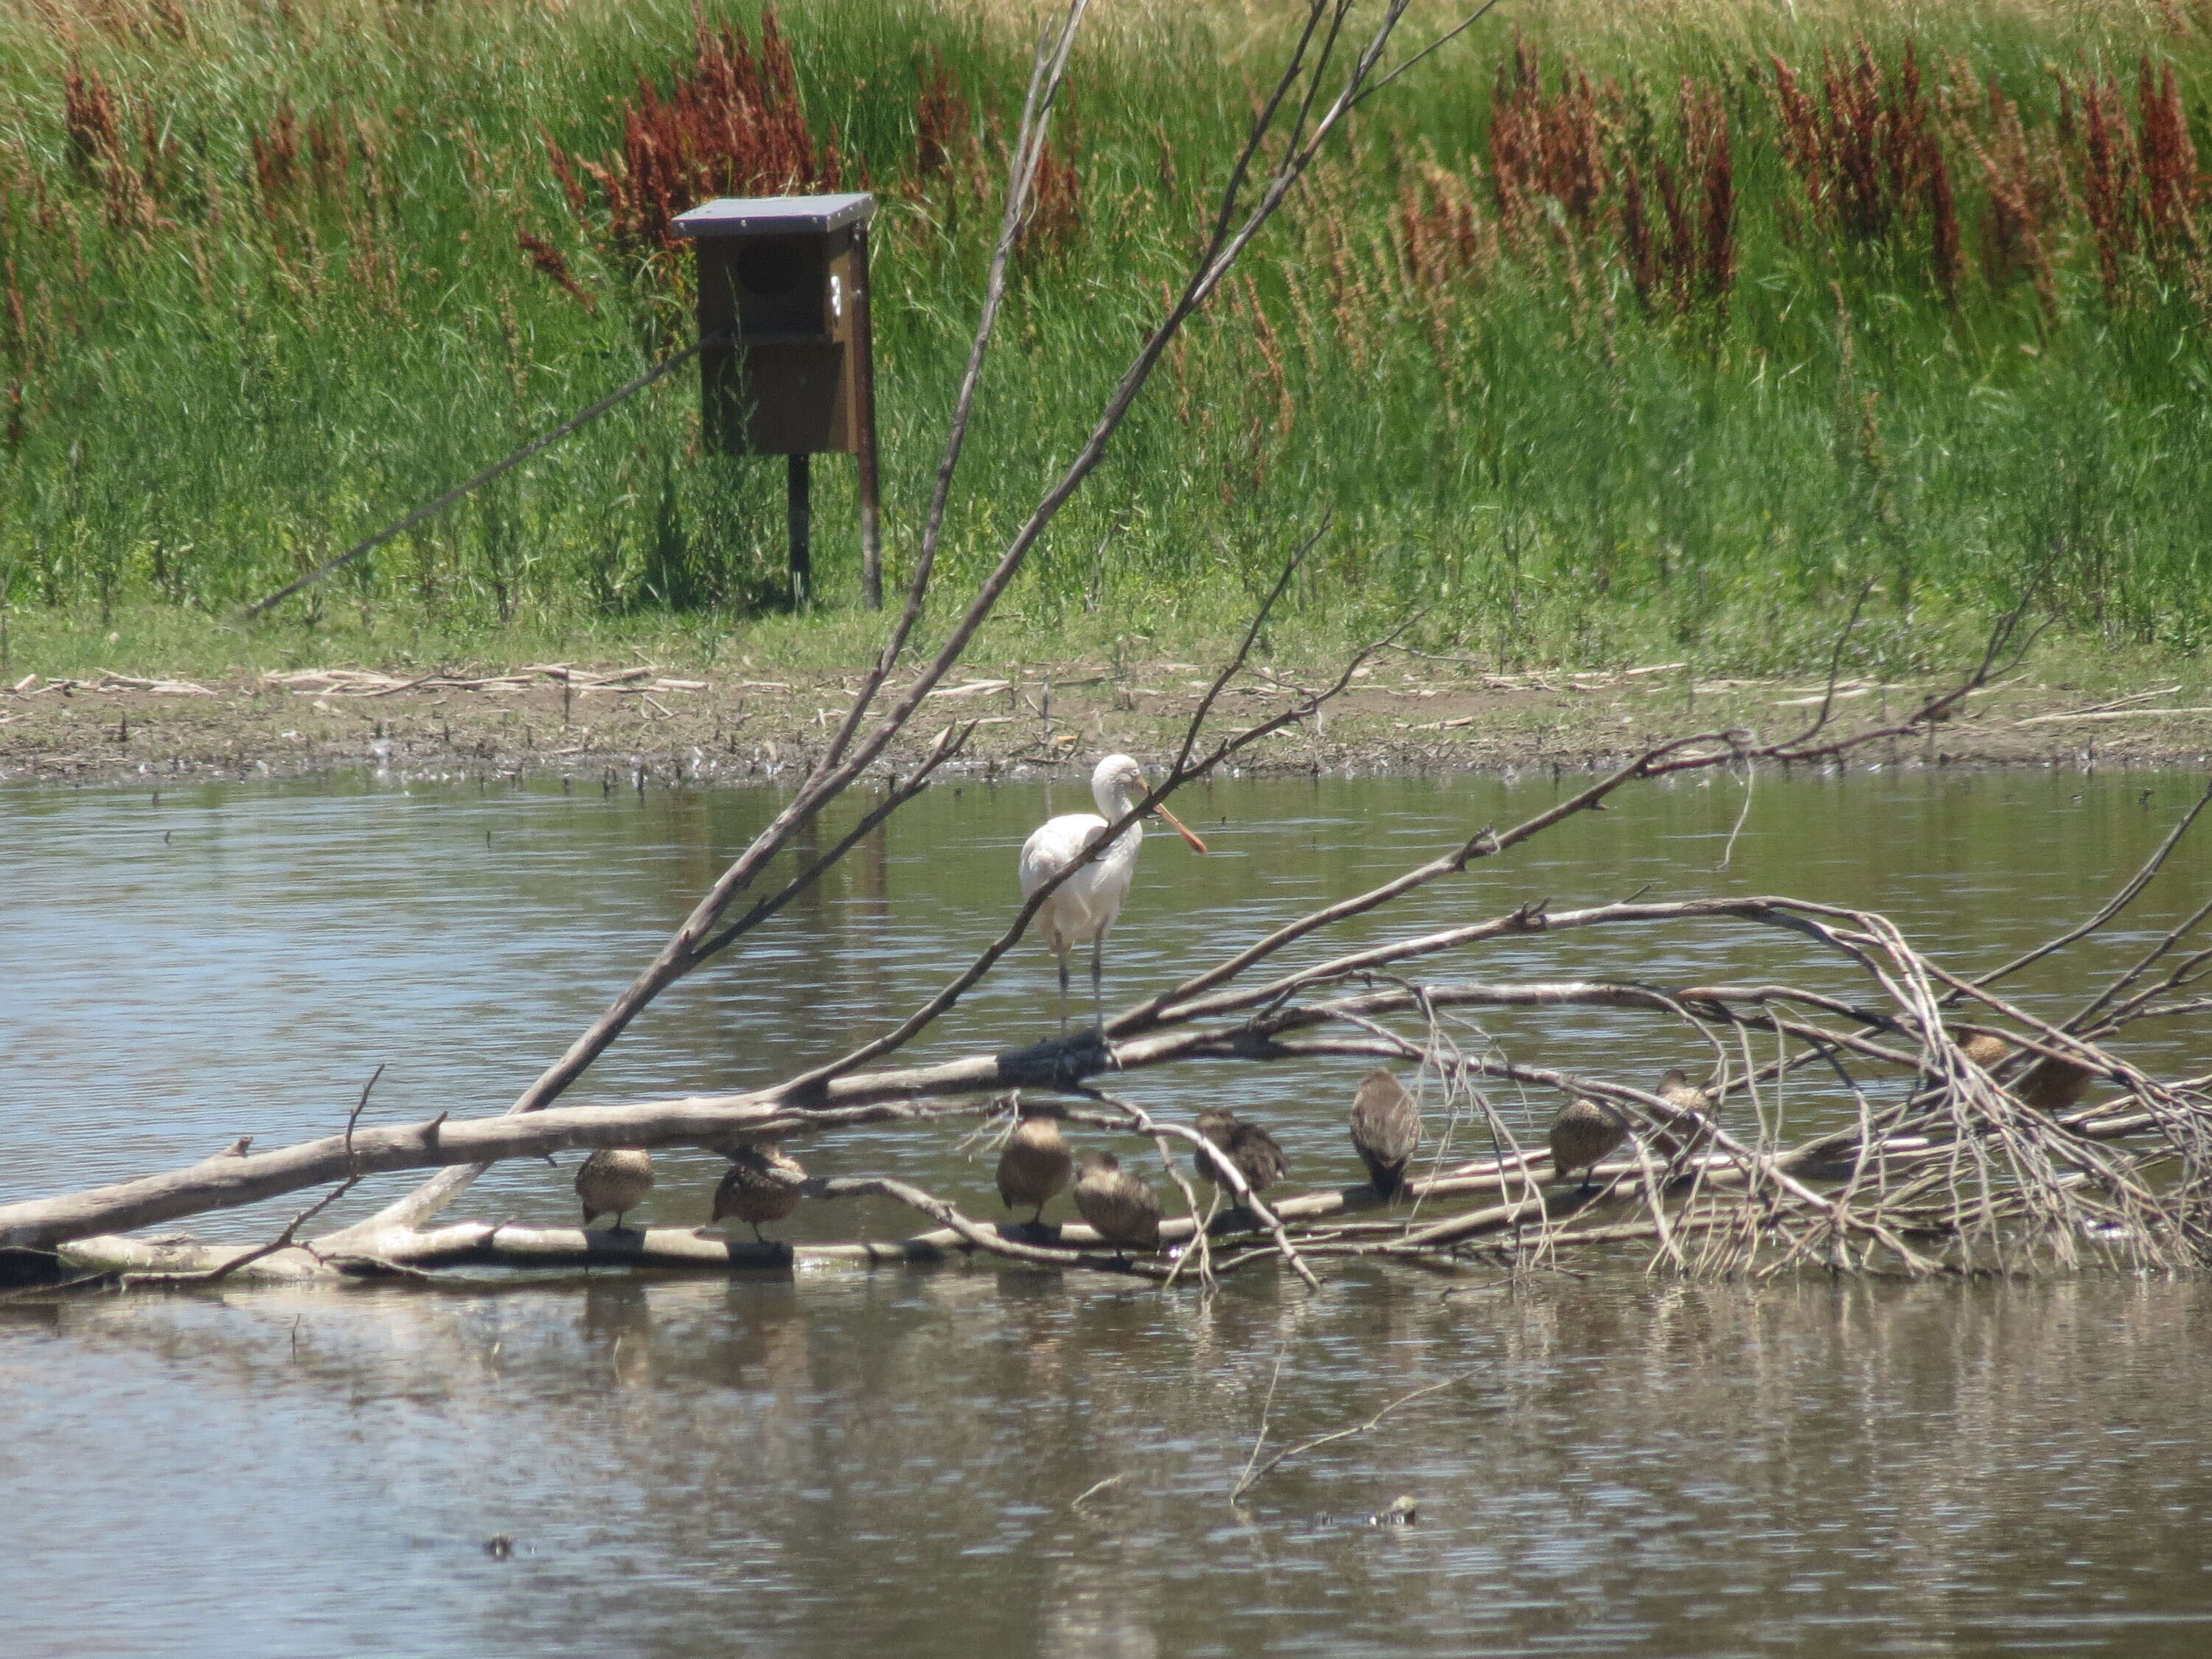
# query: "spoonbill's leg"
[[1097, 978], [1063, 994]]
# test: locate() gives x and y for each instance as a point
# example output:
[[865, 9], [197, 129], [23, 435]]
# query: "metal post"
[[864, 437], [799, 512]]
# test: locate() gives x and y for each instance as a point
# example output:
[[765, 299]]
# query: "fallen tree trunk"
[[721, 1121], [507, 1244]]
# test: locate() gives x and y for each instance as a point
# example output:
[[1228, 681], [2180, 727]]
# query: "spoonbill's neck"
[[1113, 799]]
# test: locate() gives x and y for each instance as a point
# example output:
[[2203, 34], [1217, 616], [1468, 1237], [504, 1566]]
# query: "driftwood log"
[[1953, 1173]]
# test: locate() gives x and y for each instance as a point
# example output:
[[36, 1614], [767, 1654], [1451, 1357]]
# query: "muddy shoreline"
[[628, 724]]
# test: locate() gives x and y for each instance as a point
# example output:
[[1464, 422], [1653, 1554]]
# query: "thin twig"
[[1252, 1477], [1267, 1405], [2113, 907], [285, 1239]]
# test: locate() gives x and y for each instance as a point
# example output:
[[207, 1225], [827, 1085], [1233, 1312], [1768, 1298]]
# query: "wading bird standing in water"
[[1084, 905]]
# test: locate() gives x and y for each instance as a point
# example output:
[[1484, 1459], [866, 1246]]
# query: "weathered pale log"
[[721, 1121], [716, 1122], [1055, 1245], [477, 1244], [184, 1259], [229, 1180]]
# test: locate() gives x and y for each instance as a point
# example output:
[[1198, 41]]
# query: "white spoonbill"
[[1083, 908]]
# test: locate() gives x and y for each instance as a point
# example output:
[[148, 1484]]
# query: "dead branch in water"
[[1252, 1476], [1952, 1172], [1316, 91], [284, 1240]]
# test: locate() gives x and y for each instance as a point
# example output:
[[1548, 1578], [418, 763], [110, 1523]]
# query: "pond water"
[[849, 1461]]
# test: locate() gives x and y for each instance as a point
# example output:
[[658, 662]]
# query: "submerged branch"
[[1252, 1477]]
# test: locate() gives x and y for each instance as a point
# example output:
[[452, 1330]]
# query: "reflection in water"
[[1095, 1606], [842, 1462], [888, 1463], [615, 1329]]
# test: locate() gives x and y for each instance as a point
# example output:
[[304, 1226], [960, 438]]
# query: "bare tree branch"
[[2117, 903]]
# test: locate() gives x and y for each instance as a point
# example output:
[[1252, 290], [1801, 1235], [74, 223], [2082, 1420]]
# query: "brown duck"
[[2053, 1085], [1255, 1152], [1676, 1089], [762, 1185], [1122, 1210], [1582, 1135], [2048, 1085], [1985, 1049], [1034, 1164], [1386, 1128], [614, 1181]]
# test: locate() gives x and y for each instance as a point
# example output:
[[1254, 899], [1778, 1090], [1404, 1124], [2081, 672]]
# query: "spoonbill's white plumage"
[[1082, 909]]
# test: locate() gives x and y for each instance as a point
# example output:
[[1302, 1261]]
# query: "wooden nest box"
[[783, 301]]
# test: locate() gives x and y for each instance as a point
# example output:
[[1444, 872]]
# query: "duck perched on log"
[[1582, 1135], [2053, 1085], [762, 1185], [614, 1181], [1255, 1153], [1386, 1129], [2049, 1085], [1035, 1164], [1121, 1209]]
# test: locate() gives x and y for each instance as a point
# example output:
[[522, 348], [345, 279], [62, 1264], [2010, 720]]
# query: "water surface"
[[890, 1462]]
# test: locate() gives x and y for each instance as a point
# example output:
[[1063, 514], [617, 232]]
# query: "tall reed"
[[1603, 338]]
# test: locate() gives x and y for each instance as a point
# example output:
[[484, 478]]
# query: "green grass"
[[223, 388]]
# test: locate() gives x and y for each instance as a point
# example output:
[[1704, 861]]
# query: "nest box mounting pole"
[[798, 520], [783, 291]]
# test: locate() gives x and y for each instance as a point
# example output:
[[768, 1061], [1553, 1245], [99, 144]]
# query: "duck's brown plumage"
[[1386, 1128], [1034, 1164], [614, 1181], [1582, 1134], [762, 1185], [2048, 1085], [1985, 1049], [1676, 1089], [1255, 1152], [1124, 1210], [2053, 1085]]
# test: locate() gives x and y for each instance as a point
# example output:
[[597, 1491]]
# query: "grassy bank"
[[1624, 337]]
